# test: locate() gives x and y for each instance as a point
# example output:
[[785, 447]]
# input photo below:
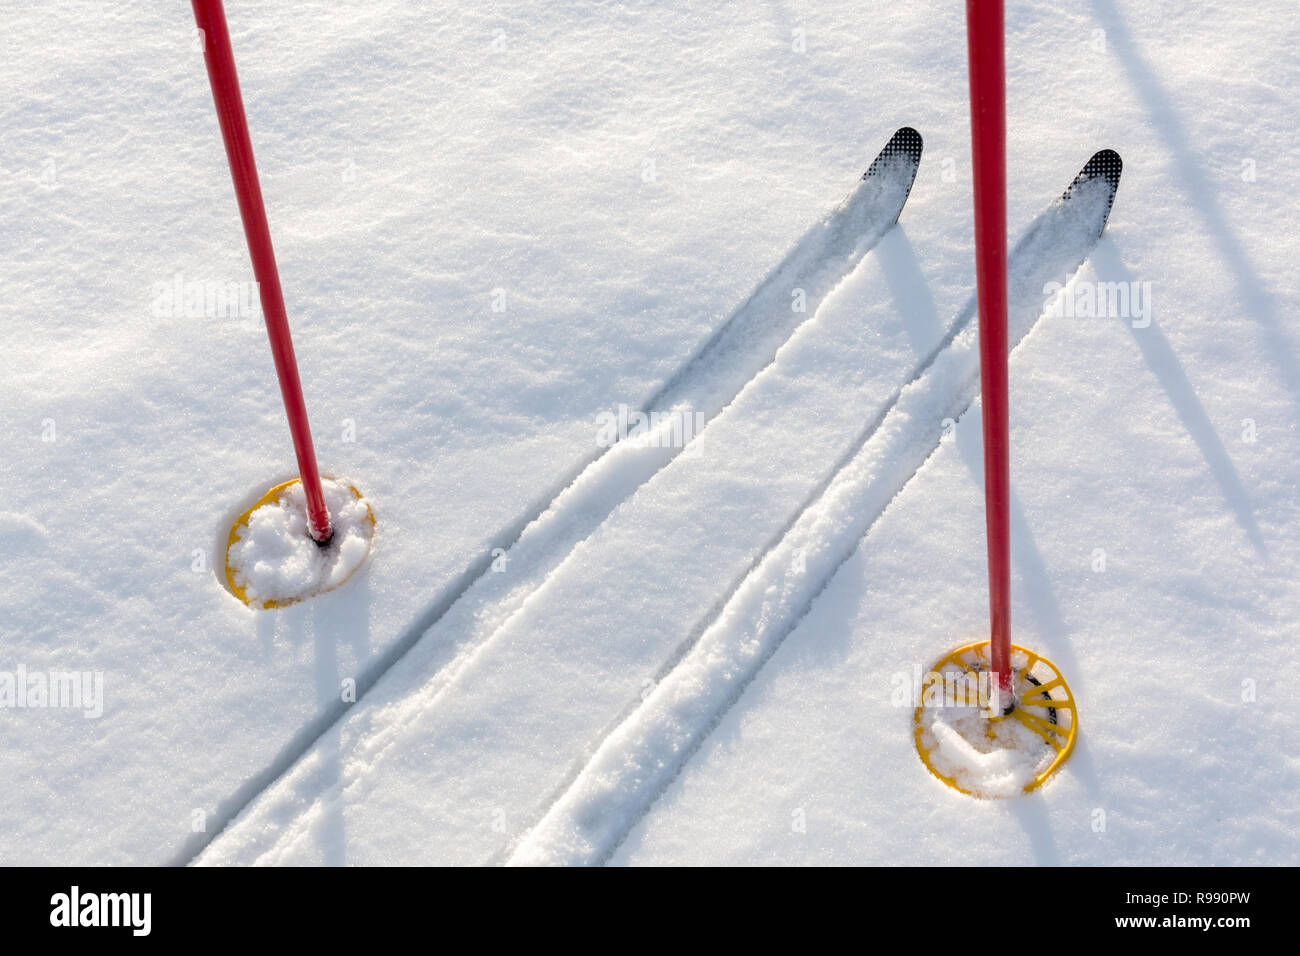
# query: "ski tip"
[[1107, 164], [905, 142], [1104, 164]]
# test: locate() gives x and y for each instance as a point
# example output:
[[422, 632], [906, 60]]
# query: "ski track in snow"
[[634, 763], [1068, 235], [479, 603]]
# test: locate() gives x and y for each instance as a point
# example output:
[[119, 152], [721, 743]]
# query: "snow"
[[998, 771], [275, 560], [494, 227]]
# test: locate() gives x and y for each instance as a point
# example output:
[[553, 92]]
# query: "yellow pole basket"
[[983, 753], [274, 496]]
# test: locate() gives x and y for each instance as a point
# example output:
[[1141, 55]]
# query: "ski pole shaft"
[[984, 39], [220, 60]]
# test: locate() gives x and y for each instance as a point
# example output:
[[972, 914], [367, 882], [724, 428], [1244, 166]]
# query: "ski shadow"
[[1168, 370], [909, 289], [1163, 116]]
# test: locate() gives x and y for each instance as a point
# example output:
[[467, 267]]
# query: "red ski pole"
[[220, 59], [984, 41]]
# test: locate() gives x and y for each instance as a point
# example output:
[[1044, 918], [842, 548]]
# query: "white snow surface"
[[274, 557], [495, 225]]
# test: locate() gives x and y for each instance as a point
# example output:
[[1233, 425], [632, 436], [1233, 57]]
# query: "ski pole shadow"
[[328, 621], [1030, 811], [1168, 370], [1163, 116], [344, 618]]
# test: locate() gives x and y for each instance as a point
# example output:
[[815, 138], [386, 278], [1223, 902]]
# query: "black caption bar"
[[340, 907]]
